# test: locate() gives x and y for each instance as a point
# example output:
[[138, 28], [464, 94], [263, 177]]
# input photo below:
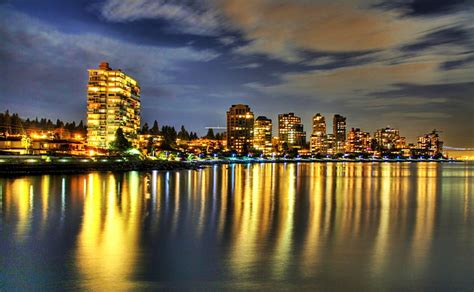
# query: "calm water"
[[337, 226]]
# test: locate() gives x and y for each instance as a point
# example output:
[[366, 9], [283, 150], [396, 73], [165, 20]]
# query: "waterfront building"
[[339, 132], [430, 143], [113, 101], [290, 130], [330, 144], [389, 139], [147, 143], [263, 134], [204, 146], [40, 145], [318, 136], [358, 141], [240, 123]]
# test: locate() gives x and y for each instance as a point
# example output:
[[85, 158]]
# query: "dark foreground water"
[[334, 226]]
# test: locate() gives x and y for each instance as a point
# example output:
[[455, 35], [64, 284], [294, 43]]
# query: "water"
[[334, 226]]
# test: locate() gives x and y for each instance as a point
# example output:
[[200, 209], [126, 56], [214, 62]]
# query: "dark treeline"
[[14, 124], [170, 134]]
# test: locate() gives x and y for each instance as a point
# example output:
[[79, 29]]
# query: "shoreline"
[[35, 166]]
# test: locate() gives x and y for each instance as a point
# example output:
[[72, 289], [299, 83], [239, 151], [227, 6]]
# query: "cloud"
[[459, 94], [185, 16], [248, 66], [227, 40], [463, 62], [283, 29], [426, 8], [450, 36], [385, 102], [41, 64], [418, 115], [346, 82]]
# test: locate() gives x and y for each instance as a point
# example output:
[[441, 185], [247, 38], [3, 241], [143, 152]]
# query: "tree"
[[120, 144], [16, 125], [145, 129], [210, 134], [193, 136], [183, 134], [169, 137], [219, 136], [155, 130], [81, 126], [149, 146], [59, 123]]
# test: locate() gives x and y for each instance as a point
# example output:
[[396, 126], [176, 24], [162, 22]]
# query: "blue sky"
[[404, 63]]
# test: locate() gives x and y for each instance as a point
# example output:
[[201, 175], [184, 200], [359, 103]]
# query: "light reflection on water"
[[325, 226]]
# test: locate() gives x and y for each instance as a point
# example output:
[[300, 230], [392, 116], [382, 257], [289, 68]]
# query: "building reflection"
[[107, 242], [280, 221]]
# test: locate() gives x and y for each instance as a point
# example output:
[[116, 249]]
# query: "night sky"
[[404, 63]]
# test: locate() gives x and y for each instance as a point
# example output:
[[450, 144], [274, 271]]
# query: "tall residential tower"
[[239, 128], [318, 137], [290, 130], [113, 101], [339, 132], [262, 138]]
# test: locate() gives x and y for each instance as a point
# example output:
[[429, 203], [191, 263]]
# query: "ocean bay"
[[362, 226]]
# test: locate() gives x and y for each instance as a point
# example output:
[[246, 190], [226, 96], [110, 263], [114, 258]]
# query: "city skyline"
[[415, 79]]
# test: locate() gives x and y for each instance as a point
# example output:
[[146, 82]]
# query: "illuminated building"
[[239, 128], [330, 144], [39, 145], [262, 138], [318, 137], [388, 139], [339, 132], [430, 143], [358, 141], [113, 101], [148, 142], [203, 145], [290, 130]]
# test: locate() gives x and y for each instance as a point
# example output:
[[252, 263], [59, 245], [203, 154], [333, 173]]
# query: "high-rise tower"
[[113, 101], [339, 131], [318, 136], [240, 128]]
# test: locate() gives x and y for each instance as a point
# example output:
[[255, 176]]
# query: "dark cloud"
[[460, 63], [459, 94], [456, 35], [425, 7]]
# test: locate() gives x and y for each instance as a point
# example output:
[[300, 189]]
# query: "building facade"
[[262, 138], [113, 101], [290, 130], [330, 144], [388, 139], [318, 136], [240, 126], [430, 143], [358, 141], [339, 132]]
